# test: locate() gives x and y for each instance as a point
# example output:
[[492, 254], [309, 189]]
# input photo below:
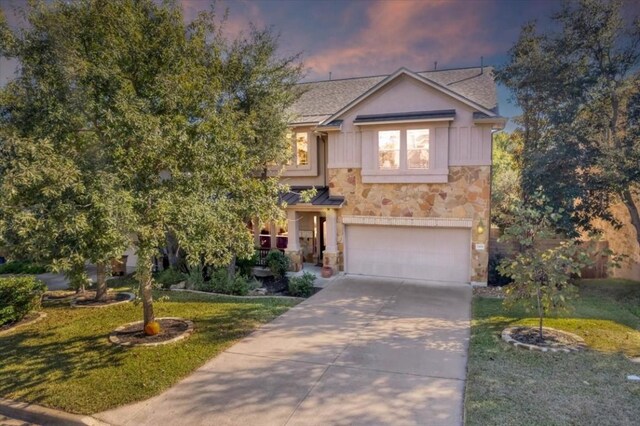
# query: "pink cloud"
[[239, 21], [407, 33]]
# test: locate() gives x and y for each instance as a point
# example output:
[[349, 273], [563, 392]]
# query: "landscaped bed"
[[511, 386], [67, 362]]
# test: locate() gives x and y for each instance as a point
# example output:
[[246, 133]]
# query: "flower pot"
[[327, 272]]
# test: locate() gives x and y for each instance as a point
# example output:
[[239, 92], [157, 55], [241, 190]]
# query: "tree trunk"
[[540, 313], [173, 250], [101, 284], [231, 269], [627, 198], [146, 285]]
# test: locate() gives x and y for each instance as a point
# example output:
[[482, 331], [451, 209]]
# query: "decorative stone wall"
[[622, 241], [465, 195]]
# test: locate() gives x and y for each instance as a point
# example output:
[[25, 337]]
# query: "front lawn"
[[512, 386], [66, 361]]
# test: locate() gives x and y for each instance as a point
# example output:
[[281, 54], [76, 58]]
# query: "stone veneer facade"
[[467, 194]]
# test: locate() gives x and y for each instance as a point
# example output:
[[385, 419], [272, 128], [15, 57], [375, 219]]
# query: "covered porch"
[[308, 236]]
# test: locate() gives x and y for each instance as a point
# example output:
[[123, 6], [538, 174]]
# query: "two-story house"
[[402, 168]]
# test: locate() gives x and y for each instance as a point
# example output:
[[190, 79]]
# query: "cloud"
[[408, 33]]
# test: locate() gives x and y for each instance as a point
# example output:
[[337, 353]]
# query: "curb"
[[42, 415]]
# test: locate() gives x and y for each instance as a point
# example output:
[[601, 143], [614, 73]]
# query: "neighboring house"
[[402, 166]]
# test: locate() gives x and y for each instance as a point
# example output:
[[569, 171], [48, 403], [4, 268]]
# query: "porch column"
[[331, 244], [330, 255], [293, 251]]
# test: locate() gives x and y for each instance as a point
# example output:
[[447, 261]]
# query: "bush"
[[195, 277], [169, 277], [302, 286], [22, 267], [220, 282], [245, 266], [495, 277], [18, 297], [278, 263]]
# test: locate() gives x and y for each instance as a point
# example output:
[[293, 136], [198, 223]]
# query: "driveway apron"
[[363, 351]]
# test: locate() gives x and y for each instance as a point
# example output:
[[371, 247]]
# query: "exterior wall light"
[[480, 228]]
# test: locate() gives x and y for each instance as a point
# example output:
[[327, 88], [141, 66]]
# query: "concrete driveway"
[[362, 351]]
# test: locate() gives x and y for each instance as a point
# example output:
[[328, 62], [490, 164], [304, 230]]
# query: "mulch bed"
[[171, 329], [88, 299], [29, 318], [552, 340], [490, 291], [275, 287]]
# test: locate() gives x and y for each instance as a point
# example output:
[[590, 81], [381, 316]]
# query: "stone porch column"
[[330, 255], [293, 251]]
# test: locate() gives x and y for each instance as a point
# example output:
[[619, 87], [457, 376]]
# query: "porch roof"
[[322, 198]]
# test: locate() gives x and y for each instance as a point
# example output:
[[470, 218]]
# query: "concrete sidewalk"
[[362, 351]]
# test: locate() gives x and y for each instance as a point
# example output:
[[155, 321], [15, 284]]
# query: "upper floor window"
[[389, 149], [418, 148], [301, 150], [403, 149]]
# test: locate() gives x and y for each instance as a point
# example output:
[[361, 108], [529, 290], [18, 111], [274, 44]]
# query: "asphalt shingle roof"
[[322, 198], [321, 99]]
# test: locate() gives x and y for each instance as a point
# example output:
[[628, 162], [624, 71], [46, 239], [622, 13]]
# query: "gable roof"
[[322, 100]]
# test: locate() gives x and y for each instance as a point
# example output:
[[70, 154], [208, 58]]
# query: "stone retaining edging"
[[120, 302], [41, 316], [266, 296], [579, 346], [113, 338]]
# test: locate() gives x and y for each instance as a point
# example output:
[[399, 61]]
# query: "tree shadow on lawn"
[[31, 357], [67, 362]]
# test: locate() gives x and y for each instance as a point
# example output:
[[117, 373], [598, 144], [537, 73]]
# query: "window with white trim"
[[389, 149], [301, 149], [403, 149]]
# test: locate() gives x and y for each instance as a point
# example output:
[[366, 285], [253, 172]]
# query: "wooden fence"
[[600, 259]]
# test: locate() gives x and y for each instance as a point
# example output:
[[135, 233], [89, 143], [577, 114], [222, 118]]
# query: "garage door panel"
[[409, 252]]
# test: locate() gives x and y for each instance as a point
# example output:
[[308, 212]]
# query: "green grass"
[[66, 361], [512, 386]]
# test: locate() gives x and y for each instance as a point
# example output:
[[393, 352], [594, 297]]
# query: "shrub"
[[278, 263], [302, 286], [245, 266], [169, 277], [221, 283], [195, 277], [22, 267], [495, 277], [18, 297]]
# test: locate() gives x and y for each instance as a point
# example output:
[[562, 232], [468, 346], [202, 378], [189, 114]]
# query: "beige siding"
[[455, 143]]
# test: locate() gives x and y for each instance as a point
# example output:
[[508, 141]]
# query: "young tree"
[[156, 97], [579, 91], [541, 276]]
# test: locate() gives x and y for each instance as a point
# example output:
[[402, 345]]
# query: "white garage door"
[[440, 254]]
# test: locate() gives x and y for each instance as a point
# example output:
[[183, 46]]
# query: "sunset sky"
[[369, 37]]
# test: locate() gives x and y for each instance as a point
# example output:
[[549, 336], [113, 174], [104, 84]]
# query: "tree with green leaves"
[[59, 204], [579, 90], [541, 275], [505, 176], [177, 147]]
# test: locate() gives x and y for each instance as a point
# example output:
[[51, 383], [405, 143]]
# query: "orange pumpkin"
[[152, 328]]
